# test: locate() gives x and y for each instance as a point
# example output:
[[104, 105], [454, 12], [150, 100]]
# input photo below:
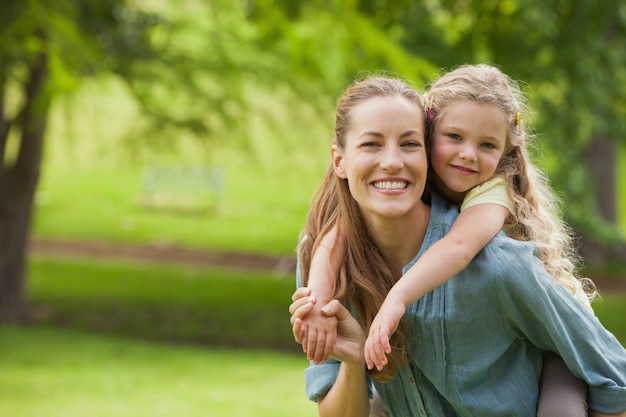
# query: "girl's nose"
[[468, 153]]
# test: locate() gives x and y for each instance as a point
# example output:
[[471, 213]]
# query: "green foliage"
[[60, 373], [610, 310], [573, 57], [570, 53], [352, 43]]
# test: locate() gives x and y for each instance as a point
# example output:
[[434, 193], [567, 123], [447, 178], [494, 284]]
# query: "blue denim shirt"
[[477, 341]]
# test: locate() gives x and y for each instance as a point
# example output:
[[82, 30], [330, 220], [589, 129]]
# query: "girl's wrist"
[[396, 297]]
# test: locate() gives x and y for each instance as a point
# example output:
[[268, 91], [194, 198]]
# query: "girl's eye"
[[454, 136], [488, 145]]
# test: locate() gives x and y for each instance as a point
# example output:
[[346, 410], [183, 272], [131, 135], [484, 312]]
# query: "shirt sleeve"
[[548, 316], [492, 191]]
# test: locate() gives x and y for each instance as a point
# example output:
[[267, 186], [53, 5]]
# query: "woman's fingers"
[[298, 332], [300, 307], [300, 292]]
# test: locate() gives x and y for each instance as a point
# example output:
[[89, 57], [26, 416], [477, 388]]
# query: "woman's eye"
[[413, 144], [369, 144]]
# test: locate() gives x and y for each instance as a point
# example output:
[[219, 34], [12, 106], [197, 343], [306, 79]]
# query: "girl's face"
[[384, 158], [467, 144]]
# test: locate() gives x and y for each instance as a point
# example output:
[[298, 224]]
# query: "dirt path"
[[172, 254]]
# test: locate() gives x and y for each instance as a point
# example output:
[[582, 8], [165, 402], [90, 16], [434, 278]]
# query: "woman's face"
[[467, 144], [384, 158]]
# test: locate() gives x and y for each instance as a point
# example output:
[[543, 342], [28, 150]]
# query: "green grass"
[[55, 373], [101, 343], [171, 303], [186, 304]]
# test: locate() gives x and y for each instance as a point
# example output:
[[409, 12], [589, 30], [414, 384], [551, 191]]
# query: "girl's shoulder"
[[492, 191]]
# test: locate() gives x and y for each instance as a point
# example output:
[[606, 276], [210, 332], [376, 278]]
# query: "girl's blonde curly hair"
[[538, 213]]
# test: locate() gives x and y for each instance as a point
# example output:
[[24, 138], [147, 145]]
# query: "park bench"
[[182, 189]]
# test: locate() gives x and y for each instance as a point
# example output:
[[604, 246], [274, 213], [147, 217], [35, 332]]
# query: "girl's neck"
[[400, 239], [450, 196]]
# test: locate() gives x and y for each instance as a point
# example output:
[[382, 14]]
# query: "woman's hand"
[[350, 337]]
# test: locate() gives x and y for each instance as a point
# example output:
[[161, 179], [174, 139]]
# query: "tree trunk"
[[602, 163], [18, 183]]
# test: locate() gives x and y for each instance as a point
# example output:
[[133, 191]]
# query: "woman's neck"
[[400, 239]]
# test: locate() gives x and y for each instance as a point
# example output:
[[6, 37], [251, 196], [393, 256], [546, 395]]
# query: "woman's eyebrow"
[[410, 132], [372, 133]]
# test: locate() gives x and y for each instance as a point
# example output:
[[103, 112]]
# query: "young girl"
[[478, 161]]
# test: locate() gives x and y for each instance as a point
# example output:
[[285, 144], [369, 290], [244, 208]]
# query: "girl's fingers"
[[311, 342], [319, 347], [328, 347]]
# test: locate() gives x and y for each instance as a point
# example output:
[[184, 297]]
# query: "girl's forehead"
[[484, 119], [470, 107]]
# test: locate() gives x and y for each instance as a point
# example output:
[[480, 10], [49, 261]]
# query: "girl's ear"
[[337, 158]]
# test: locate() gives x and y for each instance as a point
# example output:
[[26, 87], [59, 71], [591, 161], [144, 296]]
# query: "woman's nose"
[[391, 159]]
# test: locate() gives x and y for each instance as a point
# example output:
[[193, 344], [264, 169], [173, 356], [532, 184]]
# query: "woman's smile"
[[384, 158]]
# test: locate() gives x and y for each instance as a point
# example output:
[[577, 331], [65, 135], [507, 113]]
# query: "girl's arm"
[[321, 331], [472, 230]]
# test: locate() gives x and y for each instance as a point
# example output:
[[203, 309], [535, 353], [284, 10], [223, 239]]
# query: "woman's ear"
[[337, 158]]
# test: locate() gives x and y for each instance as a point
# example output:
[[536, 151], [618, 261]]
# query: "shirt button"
[[422, 412], [412, 380]]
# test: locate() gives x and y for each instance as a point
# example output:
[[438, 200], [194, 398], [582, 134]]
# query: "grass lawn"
[[101, 343], [60, 373], [171, 303]]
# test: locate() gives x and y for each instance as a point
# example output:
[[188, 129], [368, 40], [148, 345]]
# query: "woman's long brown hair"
[[365, 277]]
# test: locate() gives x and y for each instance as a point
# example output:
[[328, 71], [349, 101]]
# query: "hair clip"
[[430, 113], [518, 118]]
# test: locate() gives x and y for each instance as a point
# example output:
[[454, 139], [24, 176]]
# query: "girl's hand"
[[316, 332], [348, 346], [321, 335], [377, 345]]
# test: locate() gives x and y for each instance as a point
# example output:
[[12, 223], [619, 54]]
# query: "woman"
[[470, 347]]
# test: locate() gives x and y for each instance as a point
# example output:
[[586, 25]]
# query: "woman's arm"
[[351, 382], [472, 229], [321, 331]]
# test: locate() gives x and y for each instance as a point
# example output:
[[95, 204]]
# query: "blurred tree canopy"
[[187, 65], [570, 54]]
